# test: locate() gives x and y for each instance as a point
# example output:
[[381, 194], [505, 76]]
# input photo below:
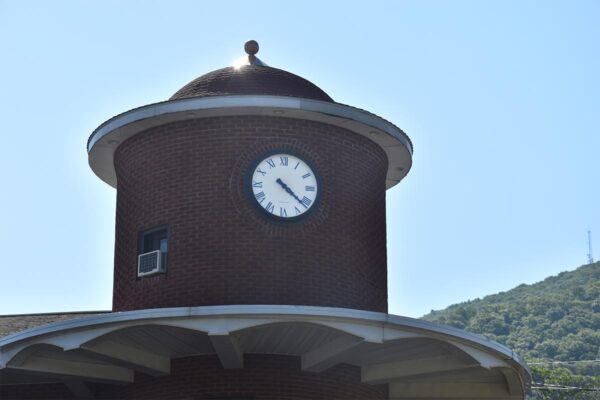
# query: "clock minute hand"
[[287, 189]]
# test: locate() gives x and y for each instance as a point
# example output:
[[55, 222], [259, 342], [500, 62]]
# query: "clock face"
[[284, 185]]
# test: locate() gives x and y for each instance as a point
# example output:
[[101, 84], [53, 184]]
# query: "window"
[[151, 241]]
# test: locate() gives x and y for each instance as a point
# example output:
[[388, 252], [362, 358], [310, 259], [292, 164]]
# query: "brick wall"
[[190, 177], [42, 391], [264, 377]]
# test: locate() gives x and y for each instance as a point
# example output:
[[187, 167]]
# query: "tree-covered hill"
[[557, 319]]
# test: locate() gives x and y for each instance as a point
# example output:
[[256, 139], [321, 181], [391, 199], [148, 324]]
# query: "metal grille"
[[149, 262]]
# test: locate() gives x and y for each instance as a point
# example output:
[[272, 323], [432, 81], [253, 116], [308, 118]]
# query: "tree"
[[558, 383]]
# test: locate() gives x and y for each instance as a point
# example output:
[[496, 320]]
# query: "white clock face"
[[284, 185]]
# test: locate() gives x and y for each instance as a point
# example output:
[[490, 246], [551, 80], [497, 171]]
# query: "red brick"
[[189, 176], [264, 377]]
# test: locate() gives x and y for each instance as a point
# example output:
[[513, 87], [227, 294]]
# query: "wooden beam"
[[129, 357], [79, 389], [513, 381], [79, 369], [228, 350], [484, 358], [17, 357], [330, 354], [388, 372]]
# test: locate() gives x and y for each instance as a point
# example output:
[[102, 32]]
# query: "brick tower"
[[250, 257], [188, 182]]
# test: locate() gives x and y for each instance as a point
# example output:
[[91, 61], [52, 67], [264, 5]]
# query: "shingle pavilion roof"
[[250, 76], [251, 80], [10, 324]]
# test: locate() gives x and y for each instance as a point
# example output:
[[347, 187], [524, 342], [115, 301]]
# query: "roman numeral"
[[270, 207], [298, 212], [260, 196], [257, 184], [308, 188], [306, 201], [282, 212], [271, 163], [297, 165], [283, 161], [261, 171], [306, 175]]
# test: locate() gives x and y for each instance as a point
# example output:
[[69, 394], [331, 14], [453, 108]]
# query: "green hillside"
[[557, 319]]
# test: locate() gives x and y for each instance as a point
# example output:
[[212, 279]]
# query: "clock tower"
[[259, 188], [250, 261]]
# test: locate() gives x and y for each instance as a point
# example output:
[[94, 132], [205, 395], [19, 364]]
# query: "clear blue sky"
[[500, 98]]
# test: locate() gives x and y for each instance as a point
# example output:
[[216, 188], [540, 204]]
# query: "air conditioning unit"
[[150, 263]]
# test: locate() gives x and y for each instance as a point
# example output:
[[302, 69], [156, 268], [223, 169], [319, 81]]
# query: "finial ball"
[[251, 47]]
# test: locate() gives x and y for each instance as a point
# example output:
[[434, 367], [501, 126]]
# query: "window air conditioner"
[[150, 263]]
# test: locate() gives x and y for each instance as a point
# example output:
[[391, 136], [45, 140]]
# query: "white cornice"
[[106, 138]]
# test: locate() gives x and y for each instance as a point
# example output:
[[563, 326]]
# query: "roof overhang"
[[107, 137], [415, 357]]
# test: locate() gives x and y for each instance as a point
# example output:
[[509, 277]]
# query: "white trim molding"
[[107, 137]]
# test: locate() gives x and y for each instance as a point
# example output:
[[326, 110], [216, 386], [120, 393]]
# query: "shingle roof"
[[251, 80], [10, 324]]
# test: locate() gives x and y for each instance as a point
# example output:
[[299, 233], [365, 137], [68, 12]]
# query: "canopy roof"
[[418, 359]]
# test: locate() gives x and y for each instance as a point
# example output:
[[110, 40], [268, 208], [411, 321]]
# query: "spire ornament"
[[251, 48]]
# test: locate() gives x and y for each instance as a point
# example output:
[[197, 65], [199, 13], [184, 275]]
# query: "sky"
[[500, 98]]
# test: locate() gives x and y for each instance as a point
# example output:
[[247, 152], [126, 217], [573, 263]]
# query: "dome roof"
[[251, 76], [249, 80]]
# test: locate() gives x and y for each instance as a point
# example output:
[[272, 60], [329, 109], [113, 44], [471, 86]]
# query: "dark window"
[[155, 239]]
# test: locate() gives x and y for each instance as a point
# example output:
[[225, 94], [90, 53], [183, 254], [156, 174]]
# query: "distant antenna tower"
[[590, 257]]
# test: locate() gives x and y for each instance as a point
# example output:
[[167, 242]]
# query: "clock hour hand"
[[287, 189]]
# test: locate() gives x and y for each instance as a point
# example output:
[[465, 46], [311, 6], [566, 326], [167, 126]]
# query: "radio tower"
[[590, 257]]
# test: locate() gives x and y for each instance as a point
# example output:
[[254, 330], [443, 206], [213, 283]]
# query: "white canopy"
[[418, 359]]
